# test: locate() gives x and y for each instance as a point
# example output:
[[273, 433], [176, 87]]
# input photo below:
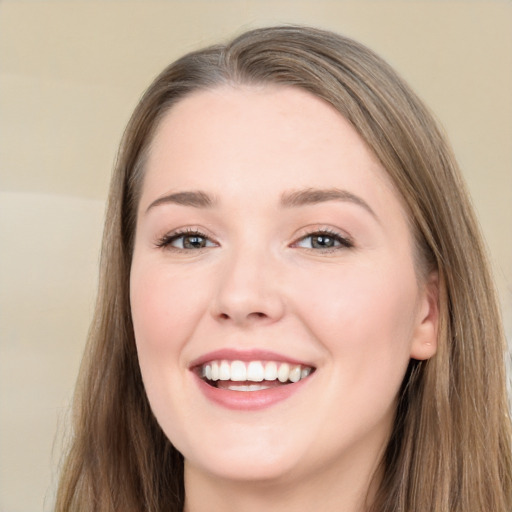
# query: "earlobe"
[[424, 342]]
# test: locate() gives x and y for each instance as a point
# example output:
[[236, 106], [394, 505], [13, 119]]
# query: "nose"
[[249, 290]]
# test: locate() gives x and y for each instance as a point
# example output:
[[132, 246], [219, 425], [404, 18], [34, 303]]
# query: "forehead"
[[270, 116], [231, 134]]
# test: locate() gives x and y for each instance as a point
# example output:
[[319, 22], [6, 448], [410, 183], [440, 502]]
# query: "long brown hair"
[[450, 449]]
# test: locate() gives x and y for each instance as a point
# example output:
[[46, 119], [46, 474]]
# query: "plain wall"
[[71, 73]]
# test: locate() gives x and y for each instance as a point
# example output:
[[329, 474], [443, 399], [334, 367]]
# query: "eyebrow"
[[314, 196], [293, 199], [195, 199]]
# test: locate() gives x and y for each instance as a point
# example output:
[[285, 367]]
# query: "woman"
[[295, 308]]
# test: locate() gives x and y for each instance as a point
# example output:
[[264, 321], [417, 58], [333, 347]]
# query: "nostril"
[[256, 314]]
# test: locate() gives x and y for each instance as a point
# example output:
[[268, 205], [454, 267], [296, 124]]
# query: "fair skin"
[[268, 232]]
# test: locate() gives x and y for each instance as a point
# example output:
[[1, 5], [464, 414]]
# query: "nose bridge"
[[248, 288]]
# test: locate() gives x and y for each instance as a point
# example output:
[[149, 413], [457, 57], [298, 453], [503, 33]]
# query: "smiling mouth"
[[251, 375]]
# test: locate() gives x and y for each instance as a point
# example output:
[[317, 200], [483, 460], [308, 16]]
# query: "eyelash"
[[343, 242], [167, 240]]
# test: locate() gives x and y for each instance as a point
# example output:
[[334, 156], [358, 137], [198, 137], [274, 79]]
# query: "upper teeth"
[[255, 371]]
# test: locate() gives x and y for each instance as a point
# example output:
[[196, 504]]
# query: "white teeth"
[[224, 370], [215, 371], [245, 387], [305, 372], [253, 371], [294, 375], [284, 372], [238, 371], [271, 371]]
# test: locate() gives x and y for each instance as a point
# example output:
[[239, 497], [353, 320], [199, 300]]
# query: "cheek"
[[361, 299], [166, 307], [164, 319], [365, 319]]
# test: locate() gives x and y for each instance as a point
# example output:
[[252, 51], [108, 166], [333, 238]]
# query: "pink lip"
[[249, 400], [245, 355], [246, 400]]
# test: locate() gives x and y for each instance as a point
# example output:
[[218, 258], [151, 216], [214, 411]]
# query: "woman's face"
[[270, 244]]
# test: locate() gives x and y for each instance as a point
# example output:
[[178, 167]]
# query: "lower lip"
[[249, 400]]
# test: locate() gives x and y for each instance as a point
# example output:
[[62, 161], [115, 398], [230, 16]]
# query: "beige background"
[[72, 71]]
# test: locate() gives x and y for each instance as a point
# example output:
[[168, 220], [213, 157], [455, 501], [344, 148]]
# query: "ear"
[[424, 342]]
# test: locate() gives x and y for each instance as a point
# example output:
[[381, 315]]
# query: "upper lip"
[[246, 355]]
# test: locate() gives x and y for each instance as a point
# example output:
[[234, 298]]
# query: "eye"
[[184, 241], [324, 240]]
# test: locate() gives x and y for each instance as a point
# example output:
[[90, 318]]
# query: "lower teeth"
[[249, 387], [245, 386]]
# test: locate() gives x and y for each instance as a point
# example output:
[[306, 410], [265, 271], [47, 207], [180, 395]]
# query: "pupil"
[[193, 242], [322, 241]]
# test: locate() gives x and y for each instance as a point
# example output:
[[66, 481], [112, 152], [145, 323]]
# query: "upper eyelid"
[[322, 229], [345, 242], [188, 230], [167, 238]]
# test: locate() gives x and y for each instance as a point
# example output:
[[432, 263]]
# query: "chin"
[[247, 461], [240, 470]]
